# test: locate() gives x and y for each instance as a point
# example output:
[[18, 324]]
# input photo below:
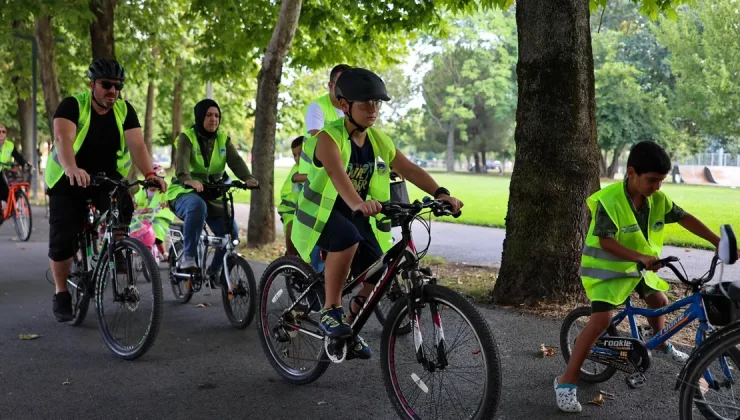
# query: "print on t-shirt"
[[360, 175]]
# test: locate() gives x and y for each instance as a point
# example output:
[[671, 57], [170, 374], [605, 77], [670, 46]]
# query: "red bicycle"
[[18, 205]]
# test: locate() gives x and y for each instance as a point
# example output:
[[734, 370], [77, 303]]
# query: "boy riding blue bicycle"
[[627, 228]]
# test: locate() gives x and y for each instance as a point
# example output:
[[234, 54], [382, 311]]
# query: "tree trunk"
[[262, 211], [25, 118], [149, 118], [477, 163], [47, 68], [451, 146], [177, 108], [101, 29], [612, 170], [603, 157], [483, 165], [557, 156]]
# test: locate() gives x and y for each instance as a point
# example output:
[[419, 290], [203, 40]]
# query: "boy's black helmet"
[[358, 84], [106, 69]]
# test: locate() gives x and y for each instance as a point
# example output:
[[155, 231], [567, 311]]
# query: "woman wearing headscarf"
[[203, 151]]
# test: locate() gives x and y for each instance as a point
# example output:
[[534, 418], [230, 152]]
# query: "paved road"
[[200, 367], [477, 245]]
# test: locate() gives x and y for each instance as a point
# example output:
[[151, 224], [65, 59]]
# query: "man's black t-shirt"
[[102, 143]]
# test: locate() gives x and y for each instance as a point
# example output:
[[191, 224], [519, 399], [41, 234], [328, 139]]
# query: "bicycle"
[[631, 353], [18, 205], [428, 360], [98, 264], [243, 290], [696, 382]]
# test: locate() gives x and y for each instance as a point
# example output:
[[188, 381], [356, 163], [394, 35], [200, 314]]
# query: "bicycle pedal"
[[636, 380], [336, 350]]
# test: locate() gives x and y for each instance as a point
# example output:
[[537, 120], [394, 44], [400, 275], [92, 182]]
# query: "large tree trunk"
[[477, 163], [262, 212], [21, 81], [177, 109], [101, 29], [451, 146], [25, 118], [547, 216], [47, 68], [612, 170], [604, 156]]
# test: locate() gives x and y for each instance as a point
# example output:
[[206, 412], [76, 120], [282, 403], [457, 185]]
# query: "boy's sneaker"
[[565, 396], [673, 353], [333, 323], [62, 306], [358, 348]]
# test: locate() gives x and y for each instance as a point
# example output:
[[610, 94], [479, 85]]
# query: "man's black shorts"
[[67, 212]]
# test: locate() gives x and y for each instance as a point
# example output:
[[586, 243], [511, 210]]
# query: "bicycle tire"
[[456, 302], [251, 293], [264, 334], [21, 199], [565, 349], [687, 398], [80, 299], [156, 284], [175, 283]]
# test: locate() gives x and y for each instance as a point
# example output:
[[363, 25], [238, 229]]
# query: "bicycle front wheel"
[[22, 216], [460, 377], [239, 302], [708, 389], [132, 297]]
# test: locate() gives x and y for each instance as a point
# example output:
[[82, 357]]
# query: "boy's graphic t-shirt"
[[359, 169]]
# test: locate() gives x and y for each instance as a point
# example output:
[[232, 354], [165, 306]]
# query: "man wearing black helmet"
[[351, 162], [94, 131]]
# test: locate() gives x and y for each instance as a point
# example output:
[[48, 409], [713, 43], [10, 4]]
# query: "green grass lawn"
[[486, 198]]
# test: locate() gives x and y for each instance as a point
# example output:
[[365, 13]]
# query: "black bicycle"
[[238, 285], [105, 270], [448, 375]]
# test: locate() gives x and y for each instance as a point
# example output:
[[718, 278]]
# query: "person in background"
[[151, 204], [289, 197]]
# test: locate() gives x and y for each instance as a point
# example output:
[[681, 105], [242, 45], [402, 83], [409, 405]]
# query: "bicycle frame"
[[401, 258]]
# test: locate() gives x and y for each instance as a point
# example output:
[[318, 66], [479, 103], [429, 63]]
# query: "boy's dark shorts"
[[342, 231], [642, 289]]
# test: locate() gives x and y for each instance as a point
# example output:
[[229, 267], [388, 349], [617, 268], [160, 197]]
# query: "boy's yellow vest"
[[316, 202], [288, 198], [605, 277]]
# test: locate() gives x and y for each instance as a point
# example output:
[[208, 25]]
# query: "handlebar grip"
[[458, 214], [357, 213]]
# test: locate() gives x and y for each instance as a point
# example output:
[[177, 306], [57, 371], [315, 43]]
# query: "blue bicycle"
[[630, 351]]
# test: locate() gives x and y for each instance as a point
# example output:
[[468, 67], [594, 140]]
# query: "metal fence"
[[710, 159]]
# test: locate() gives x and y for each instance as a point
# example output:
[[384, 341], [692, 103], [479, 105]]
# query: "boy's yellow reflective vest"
[[605, 277], [316, 201]]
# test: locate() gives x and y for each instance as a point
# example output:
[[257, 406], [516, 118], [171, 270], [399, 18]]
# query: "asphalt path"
[[201, 367]]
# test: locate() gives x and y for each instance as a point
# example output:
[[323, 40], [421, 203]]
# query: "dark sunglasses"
[[107, 85]]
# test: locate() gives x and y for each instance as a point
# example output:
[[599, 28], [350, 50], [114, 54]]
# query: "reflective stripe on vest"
[[316, 202], [607, 277], [198, 170], [6, 152], [54, 169], [289, 195]]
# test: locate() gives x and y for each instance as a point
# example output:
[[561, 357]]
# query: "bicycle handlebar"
[[224, 186], [101, 179], [398, 209], [666, 262]]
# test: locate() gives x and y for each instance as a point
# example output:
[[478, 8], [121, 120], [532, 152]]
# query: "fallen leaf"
[[607, 395], [547, 351], [28, 336], [66, 382], [599, 400], [321, 402], [202, 305]]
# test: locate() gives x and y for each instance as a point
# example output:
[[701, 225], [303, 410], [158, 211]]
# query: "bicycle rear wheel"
[[135, 294], [22, 216], [466, 363]]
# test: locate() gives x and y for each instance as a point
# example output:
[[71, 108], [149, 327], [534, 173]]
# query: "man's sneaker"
[[565, 396], [62, 307], [358, 348], [673, 353], [333, 323], [187, 263]]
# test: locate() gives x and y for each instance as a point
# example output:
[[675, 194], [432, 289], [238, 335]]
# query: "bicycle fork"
[[413, 283]]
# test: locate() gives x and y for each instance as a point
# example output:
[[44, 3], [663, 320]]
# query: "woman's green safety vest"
[[289, 198], [159, 216], [316, 202], [198, 169], [6, 152], [605, 277], [309, 143], [54, 169]]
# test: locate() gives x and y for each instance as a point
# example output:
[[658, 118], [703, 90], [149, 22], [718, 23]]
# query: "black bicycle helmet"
[[358, 84], [104, 68]]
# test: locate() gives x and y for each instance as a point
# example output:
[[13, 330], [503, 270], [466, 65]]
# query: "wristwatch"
[[440, 191]]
